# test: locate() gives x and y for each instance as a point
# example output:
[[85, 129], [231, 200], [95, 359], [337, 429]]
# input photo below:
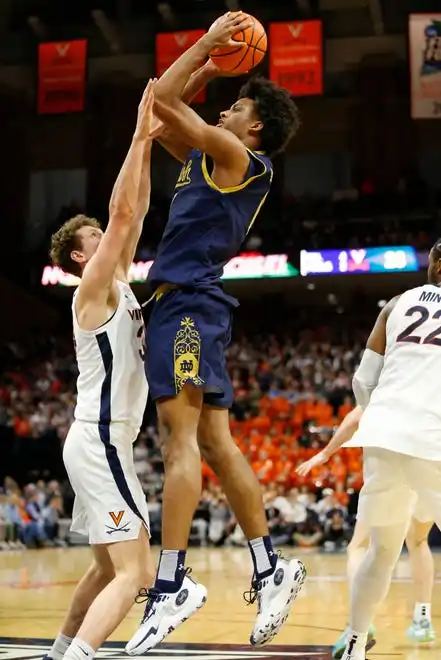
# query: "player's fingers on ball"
[[242, 22], [233, 20], [237, 44]]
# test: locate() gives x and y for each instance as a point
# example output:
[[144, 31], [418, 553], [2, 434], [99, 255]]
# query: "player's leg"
[[356, 549], [384, 507], [425, 479], [98, 576], [132, 565], [276, 581], [175, 597], [178, 422], [112, 509], [179, 341], [423, 573], [355, 552]]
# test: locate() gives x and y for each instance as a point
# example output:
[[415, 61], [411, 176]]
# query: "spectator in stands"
[[28, 531], [51, 516], [336, 531]]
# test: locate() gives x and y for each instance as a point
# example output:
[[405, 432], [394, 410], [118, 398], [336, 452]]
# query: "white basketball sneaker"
[[275, 595], [164, 612]]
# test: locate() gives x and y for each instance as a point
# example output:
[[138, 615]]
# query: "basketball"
[[243, 58]]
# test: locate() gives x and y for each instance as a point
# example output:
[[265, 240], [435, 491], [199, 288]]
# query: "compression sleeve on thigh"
[[366, 377]]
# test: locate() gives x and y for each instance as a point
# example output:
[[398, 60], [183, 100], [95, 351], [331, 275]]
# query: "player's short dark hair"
[[436, 248], [66, 239], [277, 111]]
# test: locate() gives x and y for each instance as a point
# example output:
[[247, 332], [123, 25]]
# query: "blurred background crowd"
[[292, 389]]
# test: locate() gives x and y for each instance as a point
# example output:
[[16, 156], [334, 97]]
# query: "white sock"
[[79, 650], [168, 562], [60, 646], [356, 641], [260, 556], [422, 611]]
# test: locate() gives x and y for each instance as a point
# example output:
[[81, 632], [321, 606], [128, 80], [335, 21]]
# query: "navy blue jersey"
[[206, 226]]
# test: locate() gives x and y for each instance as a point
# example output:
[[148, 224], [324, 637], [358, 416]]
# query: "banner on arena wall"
[[296, 56], [61, 76], [396, 259], [170, 46], [246, 266], [425, 65]]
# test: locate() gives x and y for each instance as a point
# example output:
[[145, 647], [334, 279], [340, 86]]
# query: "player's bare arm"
[[97, 296], [142, 207], [171, 85], [366, 377], [231, 159], [172, 141], [343, 434]]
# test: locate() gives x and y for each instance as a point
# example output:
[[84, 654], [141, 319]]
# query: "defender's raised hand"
[[145, 113]]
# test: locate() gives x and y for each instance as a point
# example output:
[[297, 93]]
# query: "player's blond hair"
[[66, 239]]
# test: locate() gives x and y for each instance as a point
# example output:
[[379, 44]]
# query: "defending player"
[[223, 183], [110, 506], [420, 556], [400, 432]]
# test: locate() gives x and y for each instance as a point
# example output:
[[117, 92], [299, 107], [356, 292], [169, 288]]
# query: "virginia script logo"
[[117, 517]]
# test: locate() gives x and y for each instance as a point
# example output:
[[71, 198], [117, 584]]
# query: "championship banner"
[[296, 56], [170, 46], [61, 76], [425, 65]]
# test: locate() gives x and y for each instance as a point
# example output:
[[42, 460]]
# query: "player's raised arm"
[[170, 87], [123, 209], [142, 207], [366, 377], [171, 140], [224, 148]]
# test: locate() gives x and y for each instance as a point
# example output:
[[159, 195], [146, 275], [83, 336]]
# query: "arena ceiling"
[[341, 17]]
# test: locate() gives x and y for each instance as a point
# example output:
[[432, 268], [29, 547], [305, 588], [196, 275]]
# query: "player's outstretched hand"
[[145, 113], [222, 30], [306, 467]]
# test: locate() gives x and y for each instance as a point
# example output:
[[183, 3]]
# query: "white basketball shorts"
[[398, 486], [110, 504]]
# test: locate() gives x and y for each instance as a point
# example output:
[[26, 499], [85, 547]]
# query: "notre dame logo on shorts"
[[187, 353]]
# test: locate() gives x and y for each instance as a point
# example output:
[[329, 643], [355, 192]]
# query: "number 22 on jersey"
[[410, 335]]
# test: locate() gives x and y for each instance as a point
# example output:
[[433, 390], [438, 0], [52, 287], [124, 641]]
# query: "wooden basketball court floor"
[[36, 586]]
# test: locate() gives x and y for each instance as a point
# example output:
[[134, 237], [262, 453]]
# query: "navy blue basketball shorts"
[[186, 338]]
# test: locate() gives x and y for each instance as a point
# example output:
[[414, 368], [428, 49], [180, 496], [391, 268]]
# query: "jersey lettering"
[[184, 178], [407, 335]]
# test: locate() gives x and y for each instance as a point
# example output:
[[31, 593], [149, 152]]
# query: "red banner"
[[61, 76], [170, 46], [296, 56]]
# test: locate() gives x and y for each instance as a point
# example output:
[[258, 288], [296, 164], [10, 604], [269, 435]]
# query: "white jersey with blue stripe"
[[112, 385], [404, 412]]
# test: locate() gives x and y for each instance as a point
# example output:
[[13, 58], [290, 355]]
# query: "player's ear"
[[256, 127], [77, 257]]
